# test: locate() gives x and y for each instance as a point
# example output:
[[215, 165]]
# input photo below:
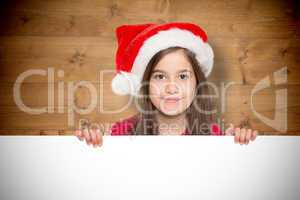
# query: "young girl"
[[165, 67]]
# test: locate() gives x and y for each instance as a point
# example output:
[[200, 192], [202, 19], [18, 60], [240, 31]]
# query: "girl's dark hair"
[[198, 122]]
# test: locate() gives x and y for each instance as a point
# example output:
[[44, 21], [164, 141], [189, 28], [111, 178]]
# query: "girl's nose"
[[171, 88]]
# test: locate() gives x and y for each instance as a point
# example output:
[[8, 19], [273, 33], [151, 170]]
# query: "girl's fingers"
[[79, 135], [87, 136], [93, 137], [237, 135], [248, 135], [253, 135], [99, 138], [243, 136], [230, 130]]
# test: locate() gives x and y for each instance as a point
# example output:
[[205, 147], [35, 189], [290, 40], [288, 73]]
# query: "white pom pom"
[[125, 83], [208, 62]]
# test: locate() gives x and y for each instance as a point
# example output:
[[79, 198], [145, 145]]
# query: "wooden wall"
[[251, 39]]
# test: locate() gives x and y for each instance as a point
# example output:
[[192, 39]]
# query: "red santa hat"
[[137, 44]]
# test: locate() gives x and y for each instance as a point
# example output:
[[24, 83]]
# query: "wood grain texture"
[[251, 39]]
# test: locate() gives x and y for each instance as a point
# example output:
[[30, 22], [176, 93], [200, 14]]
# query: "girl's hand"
[[241, 135], [92, 136]]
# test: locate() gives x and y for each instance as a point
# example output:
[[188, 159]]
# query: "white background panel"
[[149, 167]]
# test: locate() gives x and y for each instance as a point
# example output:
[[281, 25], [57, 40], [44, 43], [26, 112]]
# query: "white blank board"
[[149, 167]]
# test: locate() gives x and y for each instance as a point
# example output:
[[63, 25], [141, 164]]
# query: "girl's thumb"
[[230, 130]]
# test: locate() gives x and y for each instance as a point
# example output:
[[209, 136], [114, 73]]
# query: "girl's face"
[[172, 84]]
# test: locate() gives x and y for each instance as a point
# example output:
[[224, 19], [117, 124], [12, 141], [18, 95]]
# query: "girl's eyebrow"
[[159, 70], [185, 70]]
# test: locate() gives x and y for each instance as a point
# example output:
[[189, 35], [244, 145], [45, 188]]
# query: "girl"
[[165, 67]]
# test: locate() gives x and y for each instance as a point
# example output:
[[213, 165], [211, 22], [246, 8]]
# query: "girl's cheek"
[[157, 88], [155, 91], [190, 93], [187, 89]]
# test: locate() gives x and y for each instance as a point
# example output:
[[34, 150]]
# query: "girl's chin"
[[170, 109], [170, 112]]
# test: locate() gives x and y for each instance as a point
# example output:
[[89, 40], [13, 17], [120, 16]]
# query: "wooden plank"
[[104, 48], [60, 48], [239, 18], [86, 57], [89, 26], [92, 7], [12, 118], [82, 96], [30, 47]]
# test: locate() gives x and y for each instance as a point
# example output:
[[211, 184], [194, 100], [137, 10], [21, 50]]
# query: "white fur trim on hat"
[[125, 83], [170, 38]]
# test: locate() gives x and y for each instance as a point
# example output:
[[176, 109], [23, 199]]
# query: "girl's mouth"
[[172, 99]]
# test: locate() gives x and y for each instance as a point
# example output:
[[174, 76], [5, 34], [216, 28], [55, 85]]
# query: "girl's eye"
[[184, 76], [159, 76]]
